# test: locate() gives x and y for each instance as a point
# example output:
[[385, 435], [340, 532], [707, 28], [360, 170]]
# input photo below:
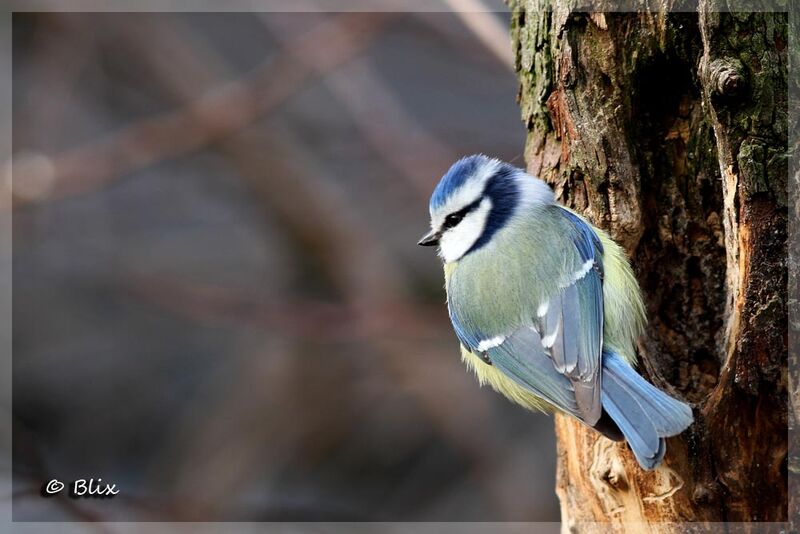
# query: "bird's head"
[[477, 197]]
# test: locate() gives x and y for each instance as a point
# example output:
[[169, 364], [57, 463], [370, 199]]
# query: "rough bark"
[[670, 131]]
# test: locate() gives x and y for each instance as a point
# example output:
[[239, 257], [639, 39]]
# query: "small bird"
[[545, 305]]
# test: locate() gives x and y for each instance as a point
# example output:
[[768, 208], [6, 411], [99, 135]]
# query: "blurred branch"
[[320, 222], [327, 321], [62, 48], [224, 110], [486, 27], [403, 143], [303, 200]]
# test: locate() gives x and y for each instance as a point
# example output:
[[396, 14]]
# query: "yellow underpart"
[[624, 315], [488, 374]]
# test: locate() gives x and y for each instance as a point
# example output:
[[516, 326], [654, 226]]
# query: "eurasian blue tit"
[[545, 305]]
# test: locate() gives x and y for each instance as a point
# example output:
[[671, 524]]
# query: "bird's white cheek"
[[455, 242]]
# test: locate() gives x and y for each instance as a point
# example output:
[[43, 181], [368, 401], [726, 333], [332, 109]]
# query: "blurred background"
[[219, 304]]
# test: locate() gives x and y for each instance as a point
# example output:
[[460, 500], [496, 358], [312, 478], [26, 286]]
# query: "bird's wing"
[[557, 354], [522, 357], [571, 322]]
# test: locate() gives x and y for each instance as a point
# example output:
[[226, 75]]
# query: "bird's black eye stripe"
[[456, 217]]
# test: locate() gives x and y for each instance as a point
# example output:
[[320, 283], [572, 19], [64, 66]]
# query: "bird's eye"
[[456, 217], [453, 219]]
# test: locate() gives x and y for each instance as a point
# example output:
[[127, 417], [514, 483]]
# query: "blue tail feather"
[[644, 414]]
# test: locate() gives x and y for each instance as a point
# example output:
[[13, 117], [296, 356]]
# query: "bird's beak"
[[430, 239]]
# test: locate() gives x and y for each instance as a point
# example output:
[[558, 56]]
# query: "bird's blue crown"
[[467, 168], [458, 173]]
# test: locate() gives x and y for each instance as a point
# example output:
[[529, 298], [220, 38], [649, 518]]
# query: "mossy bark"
[[670, 131]]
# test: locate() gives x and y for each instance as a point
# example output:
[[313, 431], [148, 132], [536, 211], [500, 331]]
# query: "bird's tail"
[[644, 414]]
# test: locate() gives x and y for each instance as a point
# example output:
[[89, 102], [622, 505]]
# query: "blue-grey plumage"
[[545, 305]]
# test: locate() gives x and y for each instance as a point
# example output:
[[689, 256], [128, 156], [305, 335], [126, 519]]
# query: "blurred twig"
[[486, 27], [401, 141], [321, 222], [225, 109], [313, 215], [62, 48], [326, 321]]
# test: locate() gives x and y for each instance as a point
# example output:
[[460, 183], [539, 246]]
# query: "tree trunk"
[[670, 131]]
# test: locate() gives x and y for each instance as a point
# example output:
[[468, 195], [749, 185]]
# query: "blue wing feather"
[[586, 241], [522, 358], [575, 318], [469, 339]]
